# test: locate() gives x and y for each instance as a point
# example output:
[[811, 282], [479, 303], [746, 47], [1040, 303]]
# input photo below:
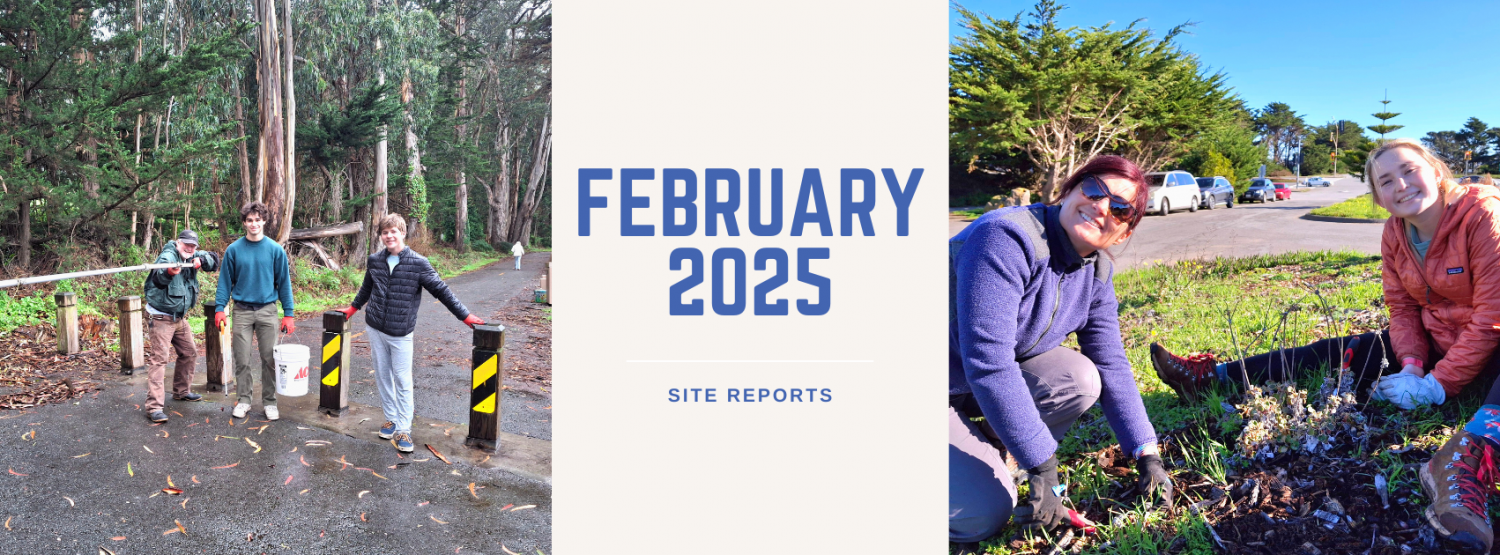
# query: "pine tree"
[[1383, 115]]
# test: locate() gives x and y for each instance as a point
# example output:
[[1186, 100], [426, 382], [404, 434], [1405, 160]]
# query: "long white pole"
[[89, 273]]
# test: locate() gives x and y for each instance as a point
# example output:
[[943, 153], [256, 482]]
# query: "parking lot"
[[1245, 230]]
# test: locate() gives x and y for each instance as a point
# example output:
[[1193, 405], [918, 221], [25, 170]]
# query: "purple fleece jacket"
[[1017, 288]]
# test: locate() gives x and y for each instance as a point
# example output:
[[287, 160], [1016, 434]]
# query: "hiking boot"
[[272, 413], [1458, 480], [157, 416], [241, 410], [387, 430], [189, 396], [1186, 375], [403, 443]]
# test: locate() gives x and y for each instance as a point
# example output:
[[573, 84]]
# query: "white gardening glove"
[[1408, 391]]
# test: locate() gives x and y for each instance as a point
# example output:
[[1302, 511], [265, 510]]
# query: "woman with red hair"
[[1021, 280]]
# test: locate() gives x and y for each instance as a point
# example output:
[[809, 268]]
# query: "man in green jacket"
[[171, 294]]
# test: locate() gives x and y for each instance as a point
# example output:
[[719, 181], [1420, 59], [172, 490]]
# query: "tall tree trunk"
[[541, 155], [501, 192], [247, 181], [272, 163], [140, 117], [335, 200], [23, 258], [415, 186], [382, 184], [291, 130], [461, 216]]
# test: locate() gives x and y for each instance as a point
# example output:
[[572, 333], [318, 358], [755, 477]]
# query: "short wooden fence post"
[[67, 323], [132, 335], [219, 357]]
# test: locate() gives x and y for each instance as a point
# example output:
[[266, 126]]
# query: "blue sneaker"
[[387, 430], [403, 442]]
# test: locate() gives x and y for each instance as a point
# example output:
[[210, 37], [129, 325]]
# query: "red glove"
[[219, 318], [288, 325], [197, 263], [473, 320], [174, 270], [348, 312]]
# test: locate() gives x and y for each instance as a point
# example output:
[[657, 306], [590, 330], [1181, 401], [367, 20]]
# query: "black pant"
[[1289, 364]]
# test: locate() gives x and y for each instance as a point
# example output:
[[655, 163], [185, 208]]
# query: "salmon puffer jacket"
[[1449, 305]]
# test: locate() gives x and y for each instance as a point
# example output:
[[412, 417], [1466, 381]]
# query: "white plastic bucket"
[[291, 370]]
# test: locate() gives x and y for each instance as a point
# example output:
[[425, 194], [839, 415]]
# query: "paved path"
[[1245, 230], [95, 468]]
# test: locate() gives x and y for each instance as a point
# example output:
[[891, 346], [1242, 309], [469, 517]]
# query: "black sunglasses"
[[1096, 191]]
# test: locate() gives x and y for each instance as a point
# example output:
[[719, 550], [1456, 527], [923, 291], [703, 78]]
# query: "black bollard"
[[484, 399], [333, 398]]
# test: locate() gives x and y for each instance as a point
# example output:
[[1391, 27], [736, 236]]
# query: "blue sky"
[[1327, 61]]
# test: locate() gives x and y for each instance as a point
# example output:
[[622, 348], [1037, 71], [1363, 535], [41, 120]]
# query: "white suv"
[[1171, 190]]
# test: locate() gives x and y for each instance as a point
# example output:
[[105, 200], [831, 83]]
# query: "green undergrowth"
[[1230, 308], [1360, 207]]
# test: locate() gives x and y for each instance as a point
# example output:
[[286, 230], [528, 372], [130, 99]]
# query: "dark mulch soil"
[[528, 352], [1292, 505]]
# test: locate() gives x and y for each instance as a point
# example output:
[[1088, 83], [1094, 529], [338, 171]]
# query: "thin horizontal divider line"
[[753, 361]]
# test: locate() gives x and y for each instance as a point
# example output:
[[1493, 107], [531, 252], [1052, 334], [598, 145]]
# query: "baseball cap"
[[188, 236]]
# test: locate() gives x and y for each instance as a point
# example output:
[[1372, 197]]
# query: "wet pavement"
[[95, 468]]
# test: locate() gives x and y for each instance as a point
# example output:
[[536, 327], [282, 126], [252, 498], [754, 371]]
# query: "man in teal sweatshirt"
[[255, 274]]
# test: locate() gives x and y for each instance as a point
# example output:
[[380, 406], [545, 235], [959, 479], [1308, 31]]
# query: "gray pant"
[[392, 355], [262, 324], [981, 493]]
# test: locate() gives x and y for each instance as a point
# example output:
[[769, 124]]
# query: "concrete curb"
[[1312, 217]]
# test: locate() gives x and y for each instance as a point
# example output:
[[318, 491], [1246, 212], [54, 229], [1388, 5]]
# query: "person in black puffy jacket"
[[394, 279]]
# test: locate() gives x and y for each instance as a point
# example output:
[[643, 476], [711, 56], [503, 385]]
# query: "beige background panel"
[[771, 85]]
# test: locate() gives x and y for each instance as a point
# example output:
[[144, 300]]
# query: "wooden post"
[[67, 323], [333, 397], [219, 363], [484, 398], [132, 335], [549, 282]]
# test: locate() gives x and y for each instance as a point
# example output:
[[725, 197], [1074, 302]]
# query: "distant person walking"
[[171, 294], [515, 248], [255, 274], [394, 279]]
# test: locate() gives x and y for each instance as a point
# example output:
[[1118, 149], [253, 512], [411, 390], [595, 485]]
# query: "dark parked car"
[[1283, 192], [1261, 189], [1214, 190]]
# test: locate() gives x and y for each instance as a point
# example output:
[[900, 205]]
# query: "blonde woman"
[[1440, 256]]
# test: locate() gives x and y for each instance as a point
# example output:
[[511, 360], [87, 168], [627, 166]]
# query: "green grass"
[[1268, 302], [1360, 207]]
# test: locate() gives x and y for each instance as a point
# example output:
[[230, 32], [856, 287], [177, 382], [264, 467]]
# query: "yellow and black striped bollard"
[[333, 398], [484, 398]]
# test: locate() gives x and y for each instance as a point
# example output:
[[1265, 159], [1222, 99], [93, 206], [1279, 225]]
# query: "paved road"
[[1245, 230], [102, 454]]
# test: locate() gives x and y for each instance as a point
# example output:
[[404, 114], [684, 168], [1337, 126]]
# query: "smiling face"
[[254, 227], [1088, 222], [394, 240], [186, 250], [1407, 184]]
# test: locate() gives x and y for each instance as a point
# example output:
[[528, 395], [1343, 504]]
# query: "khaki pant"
[[262, 324], [166, 337]]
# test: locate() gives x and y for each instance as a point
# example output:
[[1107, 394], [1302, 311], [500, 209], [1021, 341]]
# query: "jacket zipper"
[[1056, 303]]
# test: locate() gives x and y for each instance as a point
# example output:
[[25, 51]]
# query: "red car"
[[1282, 192]]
